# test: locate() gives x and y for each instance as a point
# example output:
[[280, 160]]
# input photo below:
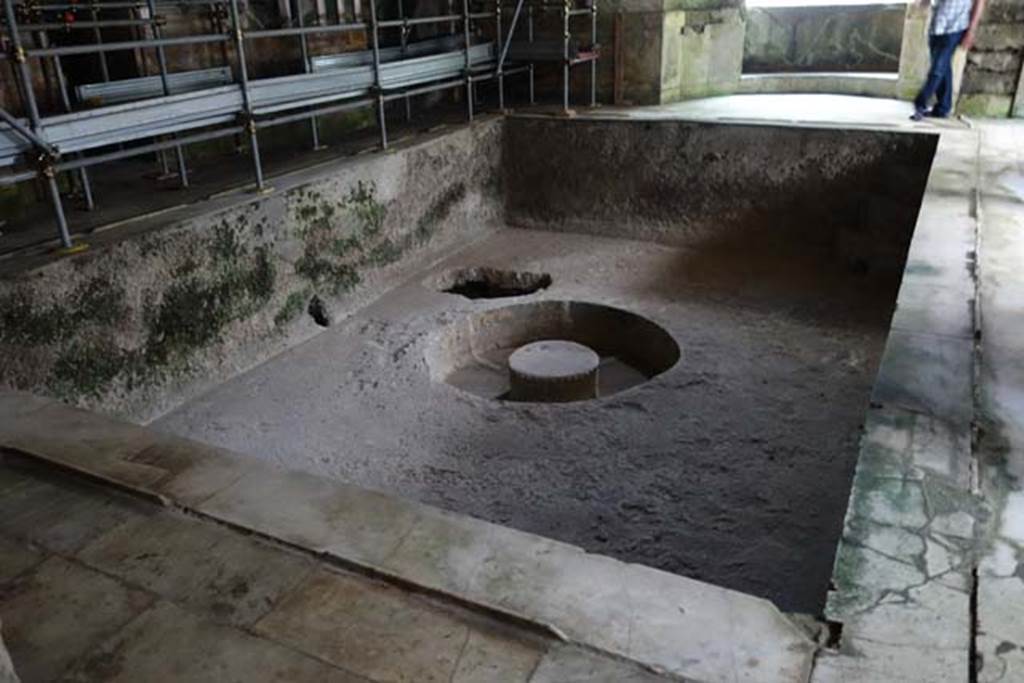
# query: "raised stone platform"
[[553, 371]]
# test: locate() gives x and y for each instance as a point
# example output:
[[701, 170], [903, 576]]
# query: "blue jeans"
[[939, 83]]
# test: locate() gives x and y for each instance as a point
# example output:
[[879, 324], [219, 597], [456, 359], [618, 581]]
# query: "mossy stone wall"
[[135, 327]]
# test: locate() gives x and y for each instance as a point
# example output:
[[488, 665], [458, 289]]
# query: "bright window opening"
[[834, 37]]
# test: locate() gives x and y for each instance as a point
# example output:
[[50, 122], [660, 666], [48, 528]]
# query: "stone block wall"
[[993, 75], [702, 53], [671, 49]]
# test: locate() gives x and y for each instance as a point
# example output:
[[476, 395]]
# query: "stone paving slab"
[[1000, 580], [387, 634], [927, 373], [167, 643], [669, 623], [328, 625], [60, 518], [569, 664], [16, 557], [61, 611], [212, 569], [87, 442], [934, 309]]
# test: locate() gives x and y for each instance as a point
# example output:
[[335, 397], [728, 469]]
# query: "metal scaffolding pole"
[[497, 35], [243, 75], [529, 38], [106, 5], [98, 37], [593, 46], [375, 33], [294, 31], [66, 50], [504, 50], [417, 21], [25, 77], [469, 65], [161, 58], [62, 86], [405, 44], [314, 124], [565, 55], [81, 25], [27, 133]]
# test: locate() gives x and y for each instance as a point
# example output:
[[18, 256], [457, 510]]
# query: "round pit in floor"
[[477, 353], [490, 283]]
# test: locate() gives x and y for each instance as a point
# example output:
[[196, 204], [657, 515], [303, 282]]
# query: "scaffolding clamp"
[[250, 124]]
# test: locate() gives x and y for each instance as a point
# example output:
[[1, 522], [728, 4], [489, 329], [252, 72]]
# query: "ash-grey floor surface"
[[734, 467]]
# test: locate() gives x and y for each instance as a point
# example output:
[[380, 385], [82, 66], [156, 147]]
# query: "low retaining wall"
[[706, 185], [135, 327]]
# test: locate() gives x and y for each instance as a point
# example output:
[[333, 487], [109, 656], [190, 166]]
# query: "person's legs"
[[944, 93], [931, 81], [940, 74]]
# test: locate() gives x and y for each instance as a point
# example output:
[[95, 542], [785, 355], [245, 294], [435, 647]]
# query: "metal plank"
[[129, 89], [387, 54], [90, 129]]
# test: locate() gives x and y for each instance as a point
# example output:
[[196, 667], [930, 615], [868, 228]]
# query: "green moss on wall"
[[362, 201], [335, 237], [221, 281], [223, 276], [23, 321], [321, 270], [292, 308], [87, 368], [193, 313], [985, 106]]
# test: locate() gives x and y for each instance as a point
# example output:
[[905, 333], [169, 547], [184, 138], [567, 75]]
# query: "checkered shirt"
[[950, 16]]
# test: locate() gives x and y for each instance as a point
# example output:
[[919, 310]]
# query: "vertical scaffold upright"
[[139, 121]]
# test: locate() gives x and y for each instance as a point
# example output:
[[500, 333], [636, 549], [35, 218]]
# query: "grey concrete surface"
[[734, 445]]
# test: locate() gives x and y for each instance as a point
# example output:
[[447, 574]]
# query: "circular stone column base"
[[553, 371]]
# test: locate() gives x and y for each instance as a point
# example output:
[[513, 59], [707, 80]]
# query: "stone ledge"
[[903, 576], [661, 621]]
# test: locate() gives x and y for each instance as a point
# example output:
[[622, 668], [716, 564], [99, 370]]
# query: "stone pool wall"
[[133, 328], [707, 185]]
